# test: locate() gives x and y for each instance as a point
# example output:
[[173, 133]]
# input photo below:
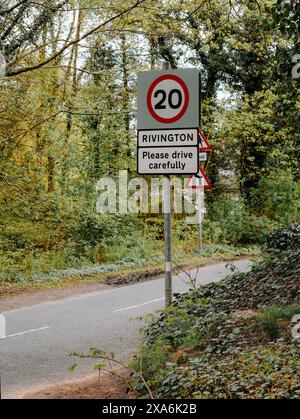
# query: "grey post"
[[168, 240], [200, 232], [168, 232], [200, 198]]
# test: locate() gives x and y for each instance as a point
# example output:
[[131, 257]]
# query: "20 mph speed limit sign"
[[168, 122], [168, 99]]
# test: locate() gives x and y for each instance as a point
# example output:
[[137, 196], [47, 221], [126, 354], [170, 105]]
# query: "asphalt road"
[[39, 339]]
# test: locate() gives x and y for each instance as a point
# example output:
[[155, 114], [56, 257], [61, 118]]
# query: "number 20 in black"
[[173, 94]]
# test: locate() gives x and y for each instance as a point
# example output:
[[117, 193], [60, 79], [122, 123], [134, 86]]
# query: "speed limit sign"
[[168, 122], [169, 99]]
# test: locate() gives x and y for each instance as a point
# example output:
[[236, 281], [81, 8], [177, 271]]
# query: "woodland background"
[[67, 118]]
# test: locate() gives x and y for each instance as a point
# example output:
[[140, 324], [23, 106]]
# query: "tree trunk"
[[50, 173]]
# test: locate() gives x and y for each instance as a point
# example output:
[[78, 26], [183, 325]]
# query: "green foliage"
[[269, 320], [66, 125], [257, 373], [152, 361], [178, 320], [154, 226], [16, 235], [285, 240], [286, 16], [72, 367], [231, 222], [229, 339], [261, 144], [182, 230], [103, 228], [278, 197]]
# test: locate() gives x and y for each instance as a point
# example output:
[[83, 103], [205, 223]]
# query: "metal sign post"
[[200, 207], [168, 233], [167, 204]]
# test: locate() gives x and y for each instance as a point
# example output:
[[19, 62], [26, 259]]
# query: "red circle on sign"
[[186, 99]]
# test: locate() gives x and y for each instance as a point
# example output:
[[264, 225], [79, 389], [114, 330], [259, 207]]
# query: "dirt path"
[[109, 387]]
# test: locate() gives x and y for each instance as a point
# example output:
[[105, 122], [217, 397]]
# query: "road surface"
[[39, 339]]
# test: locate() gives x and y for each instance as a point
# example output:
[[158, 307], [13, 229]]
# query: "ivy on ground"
[[218, 341]]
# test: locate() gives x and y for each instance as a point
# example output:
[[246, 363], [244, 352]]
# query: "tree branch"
[[107, 358], [6, 12], [2, 177], [74, 42], [13, 23], [41, 20]]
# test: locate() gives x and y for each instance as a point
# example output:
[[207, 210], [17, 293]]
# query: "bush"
[[278, 197], [212, 231], [26, 235], [93, 229], [269, 320], [155, 227], [284, 240], [230, 222], [182, 230], [152, 361]]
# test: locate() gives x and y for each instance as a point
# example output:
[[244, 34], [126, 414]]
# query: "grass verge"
[[124, 272]]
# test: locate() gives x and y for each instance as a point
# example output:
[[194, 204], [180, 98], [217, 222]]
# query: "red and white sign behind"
[[204, 144], [198, 181]]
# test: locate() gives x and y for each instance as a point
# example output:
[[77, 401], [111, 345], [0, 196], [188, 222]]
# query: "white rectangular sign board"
[[168, 160], [170, 138], [202, 156]]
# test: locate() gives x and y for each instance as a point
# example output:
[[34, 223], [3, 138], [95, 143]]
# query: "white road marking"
[[138, 305], [25, 333]]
